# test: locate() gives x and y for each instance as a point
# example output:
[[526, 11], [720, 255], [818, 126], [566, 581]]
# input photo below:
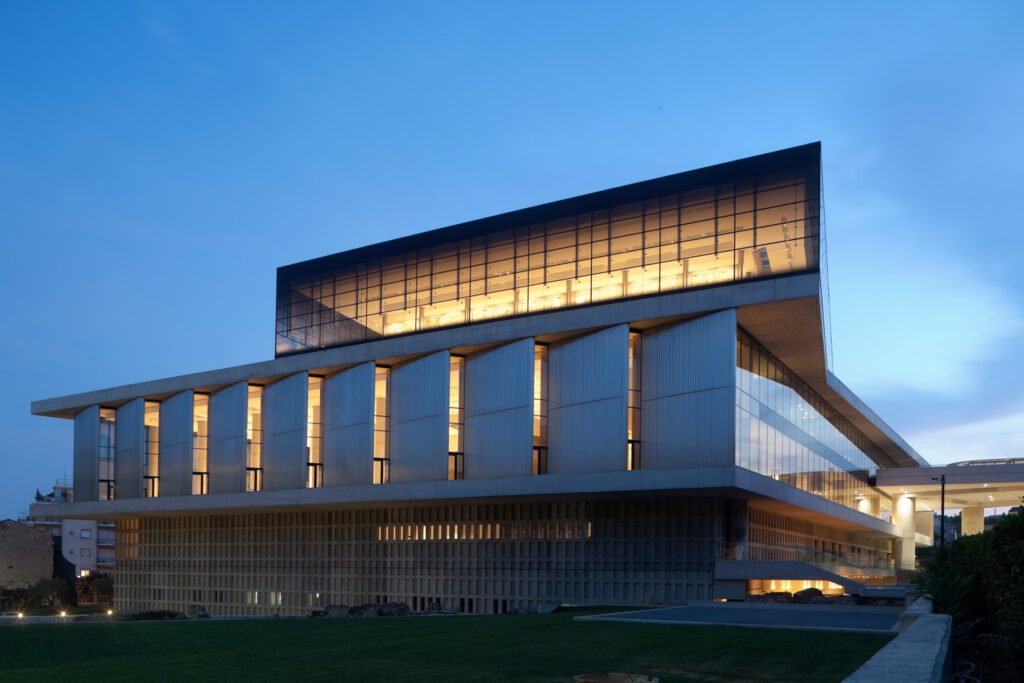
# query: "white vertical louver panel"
[[129, 446], [86, 461], [175, 466], [688, 393], [228, 439], [587, 385], [284, 433], [419, 419], [348, 426], [499, 411]]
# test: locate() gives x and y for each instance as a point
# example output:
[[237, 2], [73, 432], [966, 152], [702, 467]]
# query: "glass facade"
[[314, 435], [786, 431], [200, 442], [633, 404], [540, 409], [456, 417], [151, 457], [732, 231], [106, 459], [254, 439], [382, 425]]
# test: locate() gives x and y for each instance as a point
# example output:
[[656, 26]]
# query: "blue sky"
[[159, 160]]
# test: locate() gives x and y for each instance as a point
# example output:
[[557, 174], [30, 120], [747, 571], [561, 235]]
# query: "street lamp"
[[942, 504]]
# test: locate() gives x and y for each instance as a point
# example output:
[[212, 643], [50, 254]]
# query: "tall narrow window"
[[151, 457], [314, 435], [381, 426], [456, 417], [254, 440], [106, 471], [540, 409], [633, 405], [200, 441]]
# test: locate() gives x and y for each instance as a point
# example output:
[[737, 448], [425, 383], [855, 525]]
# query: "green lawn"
[[465, 648]]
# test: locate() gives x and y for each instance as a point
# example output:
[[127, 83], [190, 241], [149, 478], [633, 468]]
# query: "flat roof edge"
[[881, 425]]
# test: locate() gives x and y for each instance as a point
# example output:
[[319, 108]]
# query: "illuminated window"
[[749, 228], [381, 425], [456, 417], [633, 408], [314, 435], [200, 442], [254, 440], [540, 409], [151, 456], [106, 460]]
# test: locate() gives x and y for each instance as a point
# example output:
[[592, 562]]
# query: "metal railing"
[[802, 553]]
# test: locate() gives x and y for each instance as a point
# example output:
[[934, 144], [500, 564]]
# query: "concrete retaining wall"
[[921, 652]]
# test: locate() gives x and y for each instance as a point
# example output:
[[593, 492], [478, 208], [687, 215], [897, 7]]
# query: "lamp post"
[[942, 506]]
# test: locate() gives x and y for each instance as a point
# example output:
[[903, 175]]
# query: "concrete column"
[[225, 459], [129, 448], [903, 518], [284, 433], [86, 462], [348, 426], [972, 520], [924, 523]]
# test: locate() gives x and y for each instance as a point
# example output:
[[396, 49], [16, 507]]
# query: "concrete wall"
[[129, 449], [228, 438], [86, 461], [499, 411], [175, 466], [688, 393], [348, 426], [587, 384], [419, 419], [972, 520], [284, 433]]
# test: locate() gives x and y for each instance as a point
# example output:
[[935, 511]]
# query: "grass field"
[[529, 648]]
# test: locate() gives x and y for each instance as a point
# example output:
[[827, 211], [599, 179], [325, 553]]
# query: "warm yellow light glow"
[[63, 614], [20, 615], [110, 612]]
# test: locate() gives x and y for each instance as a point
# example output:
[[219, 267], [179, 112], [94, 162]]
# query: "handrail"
[[801, 553], [995, 461]]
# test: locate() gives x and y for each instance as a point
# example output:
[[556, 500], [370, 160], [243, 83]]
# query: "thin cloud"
[[996, 437]]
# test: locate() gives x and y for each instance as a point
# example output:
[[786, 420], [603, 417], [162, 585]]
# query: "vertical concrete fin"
[[175, 465], [419, 419], [587, 385], [228, 438], [284, 433], [499, 411], [688, 393], [129, 448], [348, 426], [86, 463]]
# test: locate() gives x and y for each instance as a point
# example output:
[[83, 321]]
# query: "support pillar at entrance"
[[903, 518], [972, 520]]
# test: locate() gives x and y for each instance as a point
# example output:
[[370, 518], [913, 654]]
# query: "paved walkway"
[[846, 618]]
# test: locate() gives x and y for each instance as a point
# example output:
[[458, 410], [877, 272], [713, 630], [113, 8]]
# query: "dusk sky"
[[158, 161]]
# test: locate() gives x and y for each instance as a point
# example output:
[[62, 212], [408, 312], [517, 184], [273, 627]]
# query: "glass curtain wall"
[[314, 435], [381, 425], [734, 231], [540, 409], [254, 440], [151, 456], [456, 417], [106, 460], [633, 403], [786, 431], [200, 442]]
